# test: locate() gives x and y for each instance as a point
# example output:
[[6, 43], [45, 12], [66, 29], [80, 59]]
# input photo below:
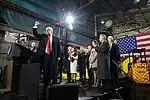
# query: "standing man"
[[49, 52], [81, 62], [114, 57]]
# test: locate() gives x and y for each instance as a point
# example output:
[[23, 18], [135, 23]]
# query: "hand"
[[58, 59], [94, 44], [36, 23]]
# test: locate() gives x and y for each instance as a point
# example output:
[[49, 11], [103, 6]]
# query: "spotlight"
[[136, 1], [69, 19]]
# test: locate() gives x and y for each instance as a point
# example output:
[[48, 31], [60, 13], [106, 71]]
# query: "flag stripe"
[[142, 40], [143, 45], [143, 37], [143, 34], [146, 47]]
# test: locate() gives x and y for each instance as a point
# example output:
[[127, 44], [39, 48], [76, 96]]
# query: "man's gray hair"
[[49, 28], [110, 37]]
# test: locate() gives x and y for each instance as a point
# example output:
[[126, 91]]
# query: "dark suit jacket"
[[42, 45], [114, 53], [81, 58]]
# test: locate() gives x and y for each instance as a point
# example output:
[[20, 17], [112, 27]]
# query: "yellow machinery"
[[139, 70], [140, 73], [124, 64]]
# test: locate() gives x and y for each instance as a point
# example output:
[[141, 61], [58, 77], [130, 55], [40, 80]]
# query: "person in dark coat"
[[81, 62], [88, 52], [114, 57], [49, 53], [103, 60]]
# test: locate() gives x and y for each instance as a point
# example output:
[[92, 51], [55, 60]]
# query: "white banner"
[[14, 37]]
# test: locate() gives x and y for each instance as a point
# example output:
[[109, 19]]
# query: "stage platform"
[[88, 93]]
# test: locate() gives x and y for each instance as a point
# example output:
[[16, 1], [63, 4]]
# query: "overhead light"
[[136, 1], [102, 22], [108, 23], [69, 19]]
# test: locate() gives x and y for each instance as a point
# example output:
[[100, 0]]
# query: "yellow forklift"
[[139, 67]]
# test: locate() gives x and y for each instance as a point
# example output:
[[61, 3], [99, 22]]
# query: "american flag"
[[139, 41]]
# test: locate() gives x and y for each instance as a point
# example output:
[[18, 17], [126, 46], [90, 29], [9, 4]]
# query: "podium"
[[17, 55]]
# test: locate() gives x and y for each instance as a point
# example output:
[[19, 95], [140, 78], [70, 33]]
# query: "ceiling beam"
[[83, 6], [16, 8], [109, 3], [142, 15], [102, 6], [133, 11], [26, 11], [131, 30]]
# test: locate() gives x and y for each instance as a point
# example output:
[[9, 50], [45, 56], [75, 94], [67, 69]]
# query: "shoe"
[[59, 82]]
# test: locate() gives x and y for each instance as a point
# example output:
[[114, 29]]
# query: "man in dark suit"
[[81, 62], [49, 52], [114, 57]]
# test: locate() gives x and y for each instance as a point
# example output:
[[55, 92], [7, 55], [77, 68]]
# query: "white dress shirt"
[[46, 42], [110, 46]]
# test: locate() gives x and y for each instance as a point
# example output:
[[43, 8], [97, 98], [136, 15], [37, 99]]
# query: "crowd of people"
[[98, 59]]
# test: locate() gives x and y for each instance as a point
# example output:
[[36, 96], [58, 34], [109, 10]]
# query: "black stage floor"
[[141, 92]]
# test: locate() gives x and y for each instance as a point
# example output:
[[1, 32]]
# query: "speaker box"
[[64, 92], [29, 80]]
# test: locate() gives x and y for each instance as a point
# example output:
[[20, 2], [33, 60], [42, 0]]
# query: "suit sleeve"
[[58, 48], [103, 48], [35, 33], [117, 52]]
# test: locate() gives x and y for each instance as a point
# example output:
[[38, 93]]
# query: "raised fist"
[[36, 23]]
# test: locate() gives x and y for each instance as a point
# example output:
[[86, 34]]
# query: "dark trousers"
[[90, 74], [91, 77], [68, 70], [49, 71], [114, 75], [60, 70], [82, 70]]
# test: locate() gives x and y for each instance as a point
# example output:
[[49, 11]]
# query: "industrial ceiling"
[[126, 15]]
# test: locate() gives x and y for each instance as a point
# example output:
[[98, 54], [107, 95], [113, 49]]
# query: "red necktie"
[[48, 45]]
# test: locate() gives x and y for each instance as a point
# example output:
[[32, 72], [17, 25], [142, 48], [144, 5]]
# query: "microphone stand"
[[118, 87]]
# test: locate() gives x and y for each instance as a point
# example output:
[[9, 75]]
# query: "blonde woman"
[[73, 57], [93, 63]]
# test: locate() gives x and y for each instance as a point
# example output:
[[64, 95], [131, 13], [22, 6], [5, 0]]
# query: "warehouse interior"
[[117, 18]]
